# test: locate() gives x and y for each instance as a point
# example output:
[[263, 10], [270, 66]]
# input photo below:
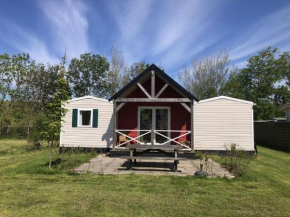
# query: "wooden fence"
[[275, 135]]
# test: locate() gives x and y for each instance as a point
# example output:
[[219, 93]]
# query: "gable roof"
[[163, 75]]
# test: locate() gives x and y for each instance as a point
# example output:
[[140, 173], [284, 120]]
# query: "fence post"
[[152, 136]]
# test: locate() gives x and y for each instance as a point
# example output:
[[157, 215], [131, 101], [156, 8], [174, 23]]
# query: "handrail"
[[186, 132], [177, 131]]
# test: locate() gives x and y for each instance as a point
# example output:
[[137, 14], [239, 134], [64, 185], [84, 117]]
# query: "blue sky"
[[164, 32]]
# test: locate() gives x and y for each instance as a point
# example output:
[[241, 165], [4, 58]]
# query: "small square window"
[[85, 118]]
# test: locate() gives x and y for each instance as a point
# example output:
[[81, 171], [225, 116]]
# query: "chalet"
[[153, 109]]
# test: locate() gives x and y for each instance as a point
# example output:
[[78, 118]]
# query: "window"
[[85, 118]]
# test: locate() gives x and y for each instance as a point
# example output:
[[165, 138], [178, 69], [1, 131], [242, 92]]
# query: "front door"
[[157, 118]]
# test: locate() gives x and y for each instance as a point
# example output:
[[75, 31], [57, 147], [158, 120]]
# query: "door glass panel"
[[145, 124], [161, 124]]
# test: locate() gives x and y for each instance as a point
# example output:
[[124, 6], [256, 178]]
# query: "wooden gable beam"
[[162, 90], [186, 107], [152, 84], [120, 106], [144, 91]]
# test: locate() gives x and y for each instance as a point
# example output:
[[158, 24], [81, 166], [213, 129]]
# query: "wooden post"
[[115, 126], [192, 126], [152, 84], [152, 136]]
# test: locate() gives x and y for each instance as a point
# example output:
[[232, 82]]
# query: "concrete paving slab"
[[103, 164]]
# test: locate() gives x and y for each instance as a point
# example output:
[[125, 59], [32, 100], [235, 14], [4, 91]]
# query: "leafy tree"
[[285, 66], [55, 111], [281, 96], [13, 73], [133, 71], [207, 76], [41, 84], [233, 86], [87, 75], [258, 82], [116, 70]]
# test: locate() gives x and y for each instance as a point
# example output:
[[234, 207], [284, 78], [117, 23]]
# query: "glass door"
[[161, 123], [145, 123], [157, 118]]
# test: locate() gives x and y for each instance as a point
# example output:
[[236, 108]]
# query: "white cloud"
[[69, 26], [272, 30], [186, 32], [182, 24], [131, 17], [169, 32], [27, 42]]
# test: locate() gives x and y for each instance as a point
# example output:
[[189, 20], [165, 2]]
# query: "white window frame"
[[154, 119], [91, 121]]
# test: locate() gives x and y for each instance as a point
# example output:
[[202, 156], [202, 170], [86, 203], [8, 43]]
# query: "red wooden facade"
[[180, 117], [167, 104]]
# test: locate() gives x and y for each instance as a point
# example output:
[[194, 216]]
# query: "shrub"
[[237, 160]]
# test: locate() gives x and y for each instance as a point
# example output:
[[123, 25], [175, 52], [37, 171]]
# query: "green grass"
[[28, 188]]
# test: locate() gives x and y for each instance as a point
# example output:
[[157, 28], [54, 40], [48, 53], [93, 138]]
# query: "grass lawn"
[[28, 188]]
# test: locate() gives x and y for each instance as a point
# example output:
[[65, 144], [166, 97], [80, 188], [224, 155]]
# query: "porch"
[[164, 117]]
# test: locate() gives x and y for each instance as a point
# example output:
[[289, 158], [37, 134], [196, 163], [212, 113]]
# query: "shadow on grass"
[[286, 150]]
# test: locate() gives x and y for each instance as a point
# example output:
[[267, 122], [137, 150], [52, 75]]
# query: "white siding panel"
[[101, 137], [223, 121]]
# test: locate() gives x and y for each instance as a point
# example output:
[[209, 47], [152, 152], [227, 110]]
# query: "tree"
[[207, 76], [13, 73], [259, 83], [135, 69], [285, 65], [116, 70], [87, 75], [55, 111], [281, 96], [233, 85]]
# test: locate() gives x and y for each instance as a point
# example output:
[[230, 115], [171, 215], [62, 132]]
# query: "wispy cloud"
[[272, 30], [169, 32], [185, 32], [69, 26], [27, 42], [165, 31], [131, 18]]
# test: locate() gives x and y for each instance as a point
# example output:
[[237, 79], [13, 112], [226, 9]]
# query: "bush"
[[237, 160]]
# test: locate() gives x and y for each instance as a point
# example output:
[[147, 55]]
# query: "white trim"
[[193, 130], [88, 97], [91, 121], [154, 118], [60, 135], [253, 128], [226, 97]]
